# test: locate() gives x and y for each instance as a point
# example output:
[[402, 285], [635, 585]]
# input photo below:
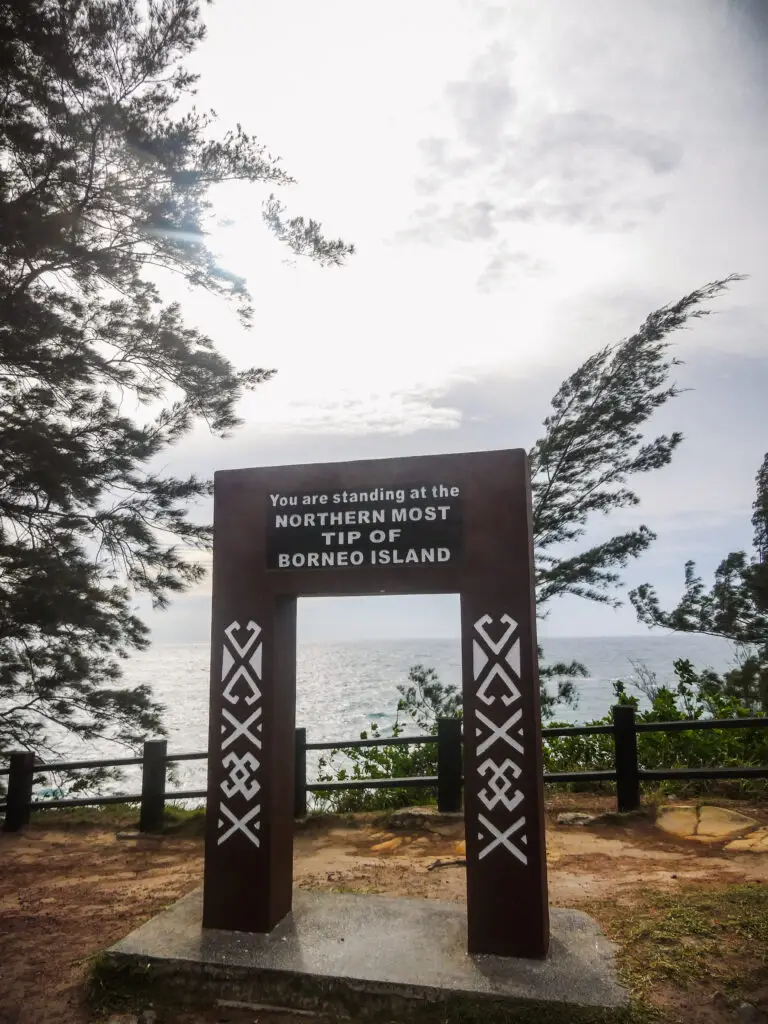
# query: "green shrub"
[[694, 695]]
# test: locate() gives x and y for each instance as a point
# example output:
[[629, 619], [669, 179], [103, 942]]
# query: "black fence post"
[[300, 775], [152, 816], [627, 777], [18, 803], [449, 765]]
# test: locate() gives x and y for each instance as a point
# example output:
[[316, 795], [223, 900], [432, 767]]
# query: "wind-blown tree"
[[734, 608], [582, 468], [593, 446], [104, 187]]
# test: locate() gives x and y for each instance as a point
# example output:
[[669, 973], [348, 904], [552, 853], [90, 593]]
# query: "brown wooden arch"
[[483, 534]]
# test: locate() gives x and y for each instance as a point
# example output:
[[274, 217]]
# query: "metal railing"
[[448, 782]]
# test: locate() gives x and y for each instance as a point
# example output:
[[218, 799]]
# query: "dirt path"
[[66, 894], [600, 862]]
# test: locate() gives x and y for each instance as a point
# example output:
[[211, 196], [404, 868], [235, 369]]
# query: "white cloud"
[[524, 183], [352, 412], [565, 167]]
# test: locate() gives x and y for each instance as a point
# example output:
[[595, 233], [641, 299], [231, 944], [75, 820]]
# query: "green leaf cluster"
[[734, 608], [422, 702], [593, 446], [694, 695], [105, 189]]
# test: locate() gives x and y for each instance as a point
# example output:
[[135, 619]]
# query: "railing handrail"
[[626, 772], [683, 725], [577, 730], [678, 725]]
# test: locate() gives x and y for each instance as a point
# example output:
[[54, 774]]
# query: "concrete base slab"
[[371, 952]]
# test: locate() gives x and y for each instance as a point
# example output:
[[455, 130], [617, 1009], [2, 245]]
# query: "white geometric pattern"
[[241, 668], [232, 628], [499, 732], [486, 620], [242, 673], [242, 776], [500, 784], [239, 824], [496, 671], [240, 728], [502, 838]]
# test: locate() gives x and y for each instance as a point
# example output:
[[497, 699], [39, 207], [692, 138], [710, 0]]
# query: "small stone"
[[407, 819], [678, 821], [574, 818], [749, 1014], [706, 824], [720, 822], [140, 838], [756, 842], [388, 846]]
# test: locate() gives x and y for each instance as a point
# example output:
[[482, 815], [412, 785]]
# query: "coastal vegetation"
[[109, 174], [106, 191], [735, 608]]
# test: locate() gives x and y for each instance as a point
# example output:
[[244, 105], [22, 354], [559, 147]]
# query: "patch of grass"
[[178, 819], [692, 938], [175, 811], [106, 815], [110, 989], [188, 822]]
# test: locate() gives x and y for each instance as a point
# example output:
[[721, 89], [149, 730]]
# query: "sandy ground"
[[65, 894]]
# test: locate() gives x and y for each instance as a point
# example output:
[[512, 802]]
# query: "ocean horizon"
[[344, 687]]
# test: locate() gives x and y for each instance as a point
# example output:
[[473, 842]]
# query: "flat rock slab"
[[575, 818], [756, 841], [678, 821], [705, 824], [423, 817], [370, 952], [719, 822]]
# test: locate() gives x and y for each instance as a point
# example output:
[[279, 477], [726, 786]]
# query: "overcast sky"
[[524, 182]]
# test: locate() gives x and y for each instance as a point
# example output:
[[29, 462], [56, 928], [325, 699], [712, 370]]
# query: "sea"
[[344, 687]]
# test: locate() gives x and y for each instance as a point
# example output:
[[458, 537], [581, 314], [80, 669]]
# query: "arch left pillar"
[[249, 818]]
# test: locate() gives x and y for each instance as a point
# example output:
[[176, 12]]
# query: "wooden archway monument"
[[434, 524]]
